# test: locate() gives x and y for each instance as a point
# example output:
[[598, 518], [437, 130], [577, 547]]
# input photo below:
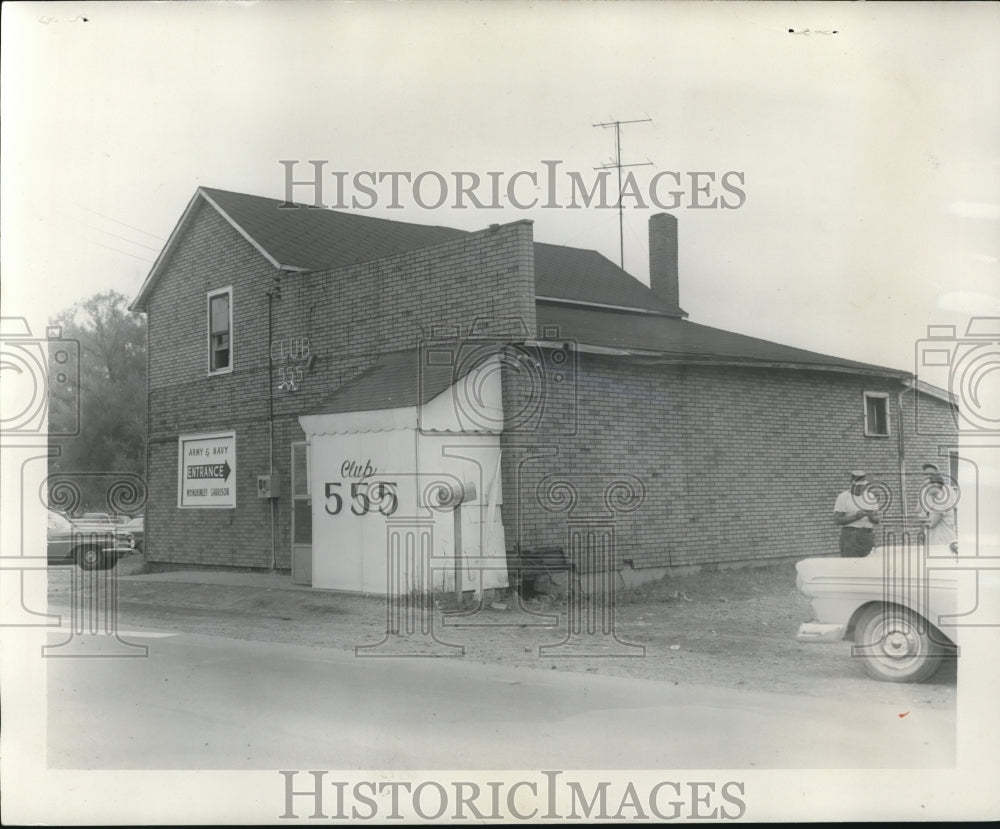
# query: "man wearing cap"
[[856, 515]]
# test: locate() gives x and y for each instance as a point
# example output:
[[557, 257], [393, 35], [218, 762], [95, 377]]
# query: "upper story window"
[[220, 331], [876, 414]]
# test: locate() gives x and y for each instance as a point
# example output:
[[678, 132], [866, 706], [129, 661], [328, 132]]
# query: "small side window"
[[876, 414], [220, 331]]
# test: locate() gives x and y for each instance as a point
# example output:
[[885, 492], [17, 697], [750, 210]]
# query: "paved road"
[[211, 703]]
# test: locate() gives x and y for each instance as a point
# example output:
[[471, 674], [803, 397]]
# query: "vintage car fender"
[[928, 581]]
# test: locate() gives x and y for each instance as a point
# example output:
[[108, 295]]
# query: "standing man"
[[937, 504], [856, 516]]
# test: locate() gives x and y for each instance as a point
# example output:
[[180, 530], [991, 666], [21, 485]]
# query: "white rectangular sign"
[[206, 477]]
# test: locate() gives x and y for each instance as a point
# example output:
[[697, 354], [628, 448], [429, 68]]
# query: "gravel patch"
[[730, 628]]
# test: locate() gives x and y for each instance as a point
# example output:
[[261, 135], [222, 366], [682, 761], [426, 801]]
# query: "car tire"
[[91, 558], [897, 645]]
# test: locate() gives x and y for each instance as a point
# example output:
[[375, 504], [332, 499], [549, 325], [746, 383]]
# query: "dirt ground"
[[730, 628]]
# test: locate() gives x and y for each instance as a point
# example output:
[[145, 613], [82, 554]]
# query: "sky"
[[864, 137]]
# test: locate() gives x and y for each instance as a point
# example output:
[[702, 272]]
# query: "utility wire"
[[123, 224], [118, 250], [124, 238]]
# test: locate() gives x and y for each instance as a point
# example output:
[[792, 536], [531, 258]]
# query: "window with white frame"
[[220, 331], [876, 414]]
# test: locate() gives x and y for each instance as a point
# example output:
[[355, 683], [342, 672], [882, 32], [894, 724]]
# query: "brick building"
[[613, 426]]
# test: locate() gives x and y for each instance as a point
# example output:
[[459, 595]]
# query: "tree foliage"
[[106, 397]]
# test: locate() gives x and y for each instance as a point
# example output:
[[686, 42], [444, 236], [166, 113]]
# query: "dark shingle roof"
[[585, 275], [683, 340], [401, 379], [317, 239], [310, 239], [397, 380]]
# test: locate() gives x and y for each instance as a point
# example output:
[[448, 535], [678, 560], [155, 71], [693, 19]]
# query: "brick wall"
[[349, 315], [183, 399], [663, 255], [931, 433], [730, 464]]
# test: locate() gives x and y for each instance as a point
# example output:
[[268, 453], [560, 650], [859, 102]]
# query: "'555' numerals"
[[365, 497]]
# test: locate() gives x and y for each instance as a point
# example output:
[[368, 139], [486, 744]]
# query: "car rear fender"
[[863, 610], [859, 612]]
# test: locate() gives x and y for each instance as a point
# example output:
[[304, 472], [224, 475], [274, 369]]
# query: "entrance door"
[[301, 516]]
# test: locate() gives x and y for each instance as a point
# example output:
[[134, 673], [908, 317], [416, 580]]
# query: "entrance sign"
[[206, 471]]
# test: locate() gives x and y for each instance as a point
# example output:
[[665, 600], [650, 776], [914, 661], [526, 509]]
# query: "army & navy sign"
[[207, 471]]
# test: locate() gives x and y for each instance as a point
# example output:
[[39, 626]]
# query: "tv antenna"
[[618, 165]]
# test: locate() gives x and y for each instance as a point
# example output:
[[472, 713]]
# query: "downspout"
[[270, 452], [273, 293], [457, 552], [145, 471], [902, 458]]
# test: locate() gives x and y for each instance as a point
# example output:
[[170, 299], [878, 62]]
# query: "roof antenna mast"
[[618, 165]]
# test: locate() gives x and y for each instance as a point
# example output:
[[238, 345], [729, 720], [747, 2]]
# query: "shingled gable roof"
[[305, 238], [397, 380], [580, 293], [682, 341]]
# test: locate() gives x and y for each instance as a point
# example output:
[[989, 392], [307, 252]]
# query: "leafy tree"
[[109, 401]]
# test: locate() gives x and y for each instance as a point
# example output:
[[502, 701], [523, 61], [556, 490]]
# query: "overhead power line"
[[123, 224], [119, 250], [125, 239]]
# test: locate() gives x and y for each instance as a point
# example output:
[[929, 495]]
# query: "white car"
[[895, 604]]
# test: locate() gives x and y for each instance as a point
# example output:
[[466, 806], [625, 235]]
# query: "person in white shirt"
[[937, 504], [856, 513]]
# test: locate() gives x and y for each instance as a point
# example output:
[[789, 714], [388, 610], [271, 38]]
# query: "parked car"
[[136, 526], [92, 546], [95, 518], [891, 603]]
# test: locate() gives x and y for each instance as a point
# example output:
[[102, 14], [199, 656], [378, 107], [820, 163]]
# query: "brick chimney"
[[663, 277]]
